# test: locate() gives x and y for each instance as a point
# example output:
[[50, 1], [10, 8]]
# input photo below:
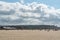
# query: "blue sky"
[[55, 3]]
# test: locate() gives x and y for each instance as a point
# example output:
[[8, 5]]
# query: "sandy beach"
[[29, 35]]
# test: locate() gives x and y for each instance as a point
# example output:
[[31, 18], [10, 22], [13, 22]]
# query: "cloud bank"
[[30, 14]]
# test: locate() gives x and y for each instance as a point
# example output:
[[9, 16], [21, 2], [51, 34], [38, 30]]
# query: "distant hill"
[[29, 27]]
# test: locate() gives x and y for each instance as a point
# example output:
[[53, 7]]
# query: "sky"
[[55, 3], [30, 12]]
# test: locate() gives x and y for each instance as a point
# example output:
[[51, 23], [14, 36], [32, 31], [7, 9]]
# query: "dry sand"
[[29, 35]]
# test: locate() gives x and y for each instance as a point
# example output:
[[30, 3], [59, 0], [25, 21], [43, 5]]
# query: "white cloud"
[[22, 1], [33, 13]]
